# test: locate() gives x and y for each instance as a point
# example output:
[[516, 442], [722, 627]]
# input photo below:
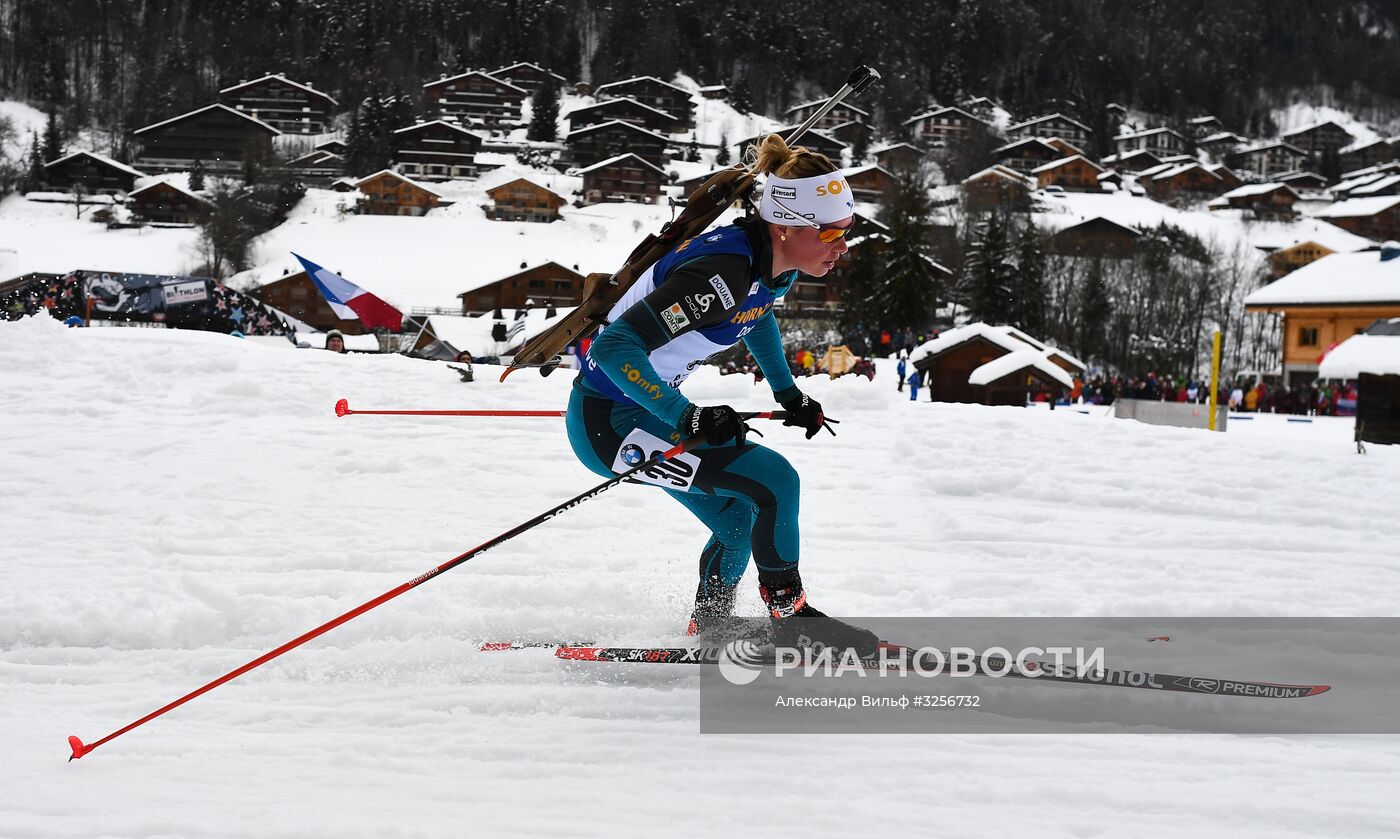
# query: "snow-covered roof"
[[1026, 141], [859, 170], [445, 79], [1359, 207], [1174, 169], [281, 78], [530, 181], [1205, 120], [1055, 164], [628, 99], [1250, 190], [1001, 171], [474, 334], [1305, 129], [884, 147], [397, 176], [1378, 185], [936, 112], [1008, 338], [1220, 137], [419, 126], [174, 186], [1364, 353], [234, 111], [618, 159], [527, 64], [846, 105], [103, 159], [1010, 363], [1049, 349], [1148, 132], [629, 125], [1272, 145], [1129, 155], [1334, 279], [640, 79], [1049, 117]]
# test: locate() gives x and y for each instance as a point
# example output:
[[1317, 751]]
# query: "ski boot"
[[712, 621], [796, 623]]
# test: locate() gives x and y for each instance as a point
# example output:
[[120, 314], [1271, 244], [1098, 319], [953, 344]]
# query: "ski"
[[501, 646], [993, 666]]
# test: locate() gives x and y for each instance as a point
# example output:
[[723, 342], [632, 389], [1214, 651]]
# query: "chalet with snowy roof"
[[1328, 301], [1363, 177], [474, 96], [435, 150], [1097, 237], [162, 202], [626, 177], [524, 200], [843, 113], [318, 166], [982, 106], [650, 90], [1133, 161], [1076, 174], [1303, 181], [98, 174], [1163, 142], [1220, 145], [1387, 184], [1228, 179], [1375, 218], [1323, 138], [898, 157], [609, 139], [1363, 154], [333, 146], [546, 284], [941, 126], [1053, 125], [218, 136], [1264, 201], [529, 77], [1269, 159], [1286, 260], [290, 107], [992, 365], [296, 294], [1026, 155], [1202, 127], [715, 91], [1372, 359], [624, 110], [387, 193], [998, 188], [814, 140], [1182, 182], [869, 182]]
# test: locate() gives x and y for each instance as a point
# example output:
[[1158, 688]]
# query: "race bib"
[[676, 472]]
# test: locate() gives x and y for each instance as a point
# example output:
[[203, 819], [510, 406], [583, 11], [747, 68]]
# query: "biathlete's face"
[[812, 250]]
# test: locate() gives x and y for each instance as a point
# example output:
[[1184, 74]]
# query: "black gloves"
[[805, 412], [718, 424]]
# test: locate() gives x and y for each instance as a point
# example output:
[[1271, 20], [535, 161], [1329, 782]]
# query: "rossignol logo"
[[577, 501], [635, 377], [726, 298]]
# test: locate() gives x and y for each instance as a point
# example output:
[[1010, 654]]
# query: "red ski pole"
[[80, 748]]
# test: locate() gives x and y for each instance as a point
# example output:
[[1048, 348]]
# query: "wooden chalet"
[[899, 157], [1376, 217], [1098, 236], [524, 200], [218, 136], [980, 106], [1269, 159], [1075, 174], [626, 177], [818, 141], [843, 113], [1163, 142], [530, 77], [318, 166], [869, 182], [1182, 182], [650, 90], [290, 107], [1052, 125], [1204, 126], [1326, 302], [1265, 201], [850, 132], [1228, 179], [475, 96], [998, 188], [387, 193], [1220, 146], [1304, 180], [1324, 138], [941, 126], [296, 294], [333, 146], [1025, 155], [991, 365], [609, 139], [1363, 155], [1287, 260], [165, 203], [715, 91], [436, 150], [549, 283], [1386, 185], [624, 110], [1133, 161], [97, 174]]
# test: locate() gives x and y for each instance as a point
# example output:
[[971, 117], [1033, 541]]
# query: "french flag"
[[349, 301]]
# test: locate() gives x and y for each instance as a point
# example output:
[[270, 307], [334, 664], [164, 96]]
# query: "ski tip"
[[79, 749], [508, 371], [1319, 689], [342, 407]]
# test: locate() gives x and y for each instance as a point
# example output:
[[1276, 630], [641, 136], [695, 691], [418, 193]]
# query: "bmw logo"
[[632, 454]]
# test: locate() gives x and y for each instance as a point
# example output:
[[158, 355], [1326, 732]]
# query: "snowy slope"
[[177, 503], [47, 237]]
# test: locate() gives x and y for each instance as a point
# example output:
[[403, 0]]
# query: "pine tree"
[[722, 157], [988, 274], [740, 97], [1028, 310], [907, 290], [544, 113], [35, 175], [1095, 310], [53, 139], [197, 176]]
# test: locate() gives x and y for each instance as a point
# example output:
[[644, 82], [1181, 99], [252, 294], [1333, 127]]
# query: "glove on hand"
[[718, 424], [805, 412]]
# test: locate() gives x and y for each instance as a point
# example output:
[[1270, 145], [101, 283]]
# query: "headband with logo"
[[821, 199]]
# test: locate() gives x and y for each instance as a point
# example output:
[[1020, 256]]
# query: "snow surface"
[[1363, 353], [177, 503]]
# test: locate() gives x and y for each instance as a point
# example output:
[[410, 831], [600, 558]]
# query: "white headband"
[[811, 201]]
